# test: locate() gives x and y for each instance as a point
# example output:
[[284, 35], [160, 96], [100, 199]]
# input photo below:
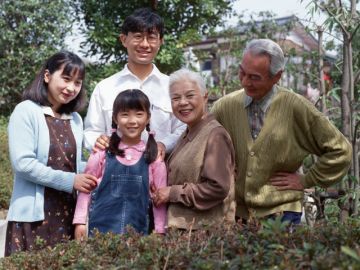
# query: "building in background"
[[218, 57]]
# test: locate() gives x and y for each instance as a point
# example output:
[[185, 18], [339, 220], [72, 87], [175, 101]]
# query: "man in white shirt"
[[142, 35]]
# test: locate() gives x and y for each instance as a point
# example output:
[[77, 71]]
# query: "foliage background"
[[30, 32], [184, 21], [6, 177]]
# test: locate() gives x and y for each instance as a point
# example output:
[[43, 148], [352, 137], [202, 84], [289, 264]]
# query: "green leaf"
[[350, 252]]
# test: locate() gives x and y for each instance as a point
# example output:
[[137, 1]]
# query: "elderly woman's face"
[[187, 101]]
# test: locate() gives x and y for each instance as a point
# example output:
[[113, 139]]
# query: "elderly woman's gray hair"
[[269, 48], [188, 75]]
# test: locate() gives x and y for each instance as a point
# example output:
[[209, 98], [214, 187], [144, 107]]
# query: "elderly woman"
[[201, 166]]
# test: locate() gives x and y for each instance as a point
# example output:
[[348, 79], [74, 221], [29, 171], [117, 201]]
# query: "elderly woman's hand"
[[161, 196]]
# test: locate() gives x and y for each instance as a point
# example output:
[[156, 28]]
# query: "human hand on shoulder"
[[85, 182], [80, 232], [102, 142], [161, 151], [287, 181]]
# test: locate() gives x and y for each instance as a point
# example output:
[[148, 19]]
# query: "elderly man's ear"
[[277, 77]]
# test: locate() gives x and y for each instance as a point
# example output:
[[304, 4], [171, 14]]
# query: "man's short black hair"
[[143, 20]]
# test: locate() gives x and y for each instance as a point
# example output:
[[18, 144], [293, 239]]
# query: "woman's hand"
[[85, 182], [161, 196], [80, 232]]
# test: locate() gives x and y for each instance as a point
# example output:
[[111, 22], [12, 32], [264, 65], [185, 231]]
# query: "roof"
[[298, 35]]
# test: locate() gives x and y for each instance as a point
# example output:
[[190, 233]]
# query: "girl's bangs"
[[132, 102]]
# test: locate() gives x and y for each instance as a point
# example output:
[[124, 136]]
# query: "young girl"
[[125, 172], [45, 138]]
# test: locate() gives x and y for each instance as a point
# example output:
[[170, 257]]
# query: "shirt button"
[[252, 153], [249, 174]]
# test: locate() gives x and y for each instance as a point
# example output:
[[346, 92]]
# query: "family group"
[[159, 159]]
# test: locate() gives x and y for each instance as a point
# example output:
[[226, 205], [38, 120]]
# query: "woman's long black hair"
[[132, 99], [71, 64]]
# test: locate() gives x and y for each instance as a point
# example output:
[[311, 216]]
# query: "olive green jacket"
[[293, 128]]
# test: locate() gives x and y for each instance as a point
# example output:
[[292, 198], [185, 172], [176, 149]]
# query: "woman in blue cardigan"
[[45, 138]]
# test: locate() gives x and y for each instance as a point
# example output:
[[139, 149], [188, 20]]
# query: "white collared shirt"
[[48, 111], [155, 86]]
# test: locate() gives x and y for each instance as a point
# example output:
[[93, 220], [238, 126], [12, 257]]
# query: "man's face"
[[142, 47], [255, 76]]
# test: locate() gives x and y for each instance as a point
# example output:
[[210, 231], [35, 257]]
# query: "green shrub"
[[270, 246], [6, 177]]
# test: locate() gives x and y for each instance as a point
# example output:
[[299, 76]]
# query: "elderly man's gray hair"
[[188, 75], [269, 48]]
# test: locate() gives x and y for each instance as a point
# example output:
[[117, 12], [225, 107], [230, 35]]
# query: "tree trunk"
[[355, 160], [346, 115], [153, 4], [321, 83]]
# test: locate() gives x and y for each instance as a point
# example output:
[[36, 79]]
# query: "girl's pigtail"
[[151, 150], [114, 142]]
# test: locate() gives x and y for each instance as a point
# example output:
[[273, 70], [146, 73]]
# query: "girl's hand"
[[85, 182], [80, 232]]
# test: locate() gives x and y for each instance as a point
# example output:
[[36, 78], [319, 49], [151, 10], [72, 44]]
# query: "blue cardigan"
[[29, 144]]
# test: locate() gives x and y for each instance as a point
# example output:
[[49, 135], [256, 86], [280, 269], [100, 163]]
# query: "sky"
[[281, 8]]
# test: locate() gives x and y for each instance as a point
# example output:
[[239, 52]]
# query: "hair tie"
[[113, 130], [152, 132]]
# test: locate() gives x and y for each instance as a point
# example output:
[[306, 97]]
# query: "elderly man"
[[273, 130]]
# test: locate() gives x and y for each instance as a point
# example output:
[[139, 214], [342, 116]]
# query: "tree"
[[30, 32], [184, 21], [343, 18]]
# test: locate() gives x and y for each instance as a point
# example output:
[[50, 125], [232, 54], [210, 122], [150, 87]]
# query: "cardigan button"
[[249, 174], [248, 194], [252, 153]]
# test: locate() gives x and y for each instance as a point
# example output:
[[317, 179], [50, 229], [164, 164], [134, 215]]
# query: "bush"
[[6, 177], [270, 246]]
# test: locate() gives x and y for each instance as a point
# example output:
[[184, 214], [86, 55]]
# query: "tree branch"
[[357, 77], [355, 132], [354, 32], [335, 18]]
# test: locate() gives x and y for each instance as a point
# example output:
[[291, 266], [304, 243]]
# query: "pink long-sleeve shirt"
[[96, 166]]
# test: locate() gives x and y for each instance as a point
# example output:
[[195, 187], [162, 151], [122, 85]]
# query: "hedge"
[[269, 245]]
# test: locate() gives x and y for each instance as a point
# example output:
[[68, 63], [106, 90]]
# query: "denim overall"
[[122, 198]]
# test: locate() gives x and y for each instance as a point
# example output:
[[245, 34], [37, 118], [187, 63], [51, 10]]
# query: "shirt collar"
[[127, 72], [190, 134], [48, 111], [264, 103], [140, 147]]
